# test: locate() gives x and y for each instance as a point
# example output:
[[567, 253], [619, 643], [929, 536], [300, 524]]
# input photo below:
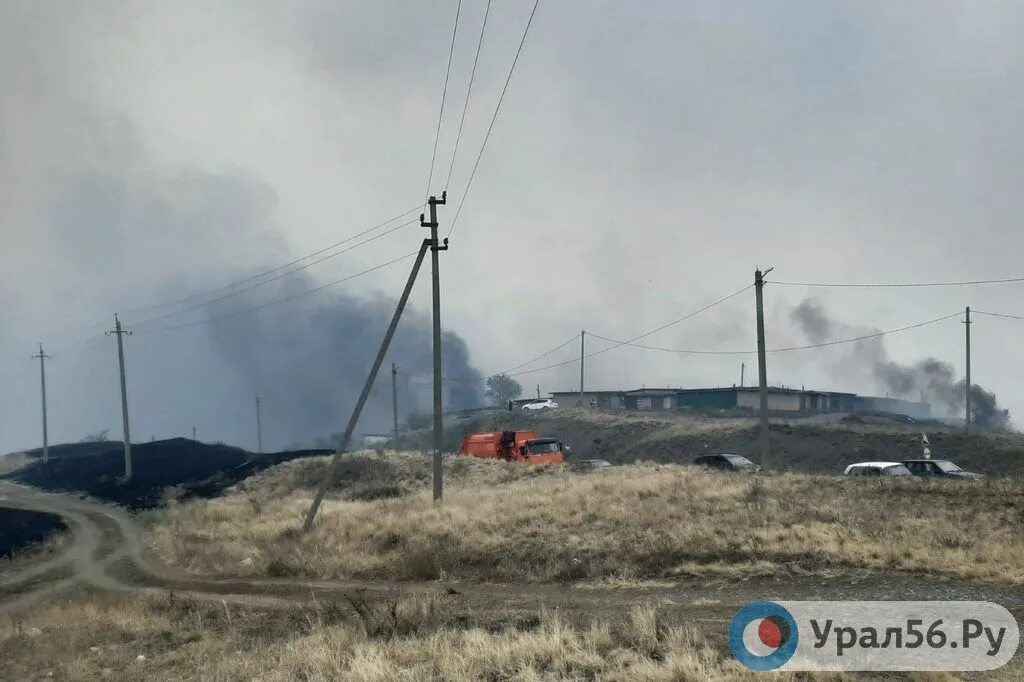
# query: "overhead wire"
[[784, 349], [1009, 317], [641, 336], [542, 355], [268, 304], [469, 91], [282, 275], [490, 127], [444, 96], [883, 285], [259, 275]]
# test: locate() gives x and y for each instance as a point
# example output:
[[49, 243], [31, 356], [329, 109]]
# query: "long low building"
[[739, 398]]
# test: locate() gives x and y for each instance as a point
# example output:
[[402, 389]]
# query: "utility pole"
[[259, 428], [394, 399], [762, 370], [120, 332], [332, 472], [583, 355], [193, 433], [743, 369], [43, 357], [967, 389], [435, 248], [538, 391]]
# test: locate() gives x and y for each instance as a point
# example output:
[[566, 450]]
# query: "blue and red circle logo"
[[763, 636]]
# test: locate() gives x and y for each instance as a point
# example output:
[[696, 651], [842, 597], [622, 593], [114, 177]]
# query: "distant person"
[[510, 406]]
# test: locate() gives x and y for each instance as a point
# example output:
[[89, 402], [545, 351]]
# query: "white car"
[[877, 469], [547, 404]]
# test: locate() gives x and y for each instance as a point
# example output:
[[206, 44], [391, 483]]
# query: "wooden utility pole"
[[43, 357], [259, 428], [583, 355], [120, 332], [538, 391], [435, 248], [394, 400], [967, 388], [762, 370], [332, 472]]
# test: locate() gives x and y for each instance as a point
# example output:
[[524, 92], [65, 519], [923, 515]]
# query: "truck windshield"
[[543, 447]]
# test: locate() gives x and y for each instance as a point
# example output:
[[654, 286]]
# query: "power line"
[[866, 336], [782, 350], [444, 95], [641, 336], [542, 355], [898, 284], [1009, 317], [280, 300], [469, 91], [256, 285], [259, 275], [494, 118]]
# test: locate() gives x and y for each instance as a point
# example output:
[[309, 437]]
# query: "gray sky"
[[647, 157]]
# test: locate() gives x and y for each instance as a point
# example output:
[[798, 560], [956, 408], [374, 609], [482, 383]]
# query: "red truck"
[[516, 446]]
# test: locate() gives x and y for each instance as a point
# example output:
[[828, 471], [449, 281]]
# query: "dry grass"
[[640, 522], [122, 638]]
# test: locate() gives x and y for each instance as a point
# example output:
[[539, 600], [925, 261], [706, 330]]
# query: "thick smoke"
[[310, 359], [931, 380]]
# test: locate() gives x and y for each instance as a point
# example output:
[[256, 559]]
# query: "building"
[[791, 400]]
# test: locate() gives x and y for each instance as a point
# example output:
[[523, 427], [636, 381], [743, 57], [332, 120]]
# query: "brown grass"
[[640, 522], [122, 638]]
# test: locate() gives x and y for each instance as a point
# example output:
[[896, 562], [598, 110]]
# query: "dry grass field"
[[504, 522], [411, 638]]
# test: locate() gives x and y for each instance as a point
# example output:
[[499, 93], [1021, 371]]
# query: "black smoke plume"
[[310, 359], [931, 380]]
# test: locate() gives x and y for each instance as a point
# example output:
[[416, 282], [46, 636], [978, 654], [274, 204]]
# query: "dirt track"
[[107, 551]]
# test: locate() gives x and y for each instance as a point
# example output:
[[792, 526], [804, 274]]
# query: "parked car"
[[545, 404], [940, 468], [728, 462], [877, 469], [584, 465]]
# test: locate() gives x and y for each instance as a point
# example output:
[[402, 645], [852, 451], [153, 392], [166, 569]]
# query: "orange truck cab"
[[519, 446]]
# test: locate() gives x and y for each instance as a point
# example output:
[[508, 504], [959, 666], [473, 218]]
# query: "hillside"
[[798, 445], [505, 522], [178, 467]]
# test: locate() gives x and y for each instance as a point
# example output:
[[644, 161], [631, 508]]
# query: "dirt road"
[[107, 551]]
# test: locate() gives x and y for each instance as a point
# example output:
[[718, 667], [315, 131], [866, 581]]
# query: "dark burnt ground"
[[800, 445], [161, 470], [21, 528]]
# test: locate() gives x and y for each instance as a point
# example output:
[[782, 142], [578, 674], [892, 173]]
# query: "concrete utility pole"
[[583, 355], [43, 357], [259, 428], [394, 399], [538, 391], [435, 248], [762, 370], [743, 370], [967, 389], [124, 397], [332, 472]]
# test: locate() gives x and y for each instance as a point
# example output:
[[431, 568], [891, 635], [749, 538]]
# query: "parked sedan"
[[547, 404], [942, 468], [727, 462], [877, 469]]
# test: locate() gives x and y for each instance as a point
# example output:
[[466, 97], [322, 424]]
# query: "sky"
[[647, 158]]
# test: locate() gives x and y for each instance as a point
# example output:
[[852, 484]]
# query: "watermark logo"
[[763, 635], [874, 636]]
